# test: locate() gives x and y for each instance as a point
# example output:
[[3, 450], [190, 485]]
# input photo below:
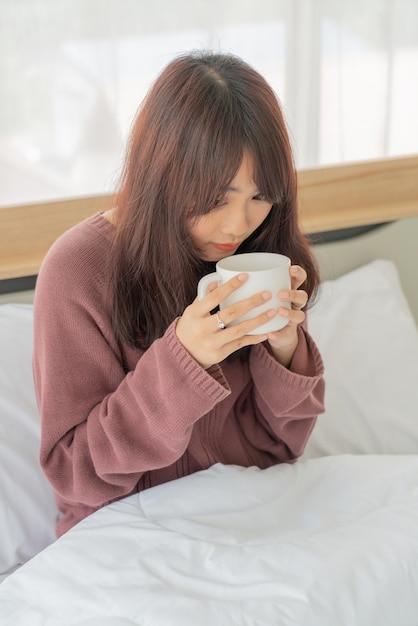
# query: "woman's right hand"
[[200, 333]]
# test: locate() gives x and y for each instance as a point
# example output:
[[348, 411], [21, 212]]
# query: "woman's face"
[[240, 212]]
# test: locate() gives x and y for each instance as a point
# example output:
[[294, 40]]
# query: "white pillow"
[[27, 507], [369, 342]]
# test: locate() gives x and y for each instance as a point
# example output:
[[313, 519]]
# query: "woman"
[[137, 383]]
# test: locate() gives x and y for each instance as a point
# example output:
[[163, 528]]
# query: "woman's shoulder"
[[80, 255], [94, 231]]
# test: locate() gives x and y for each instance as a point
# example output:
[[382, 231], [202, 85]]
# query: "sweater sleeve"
[[286, 401], [102, 427]]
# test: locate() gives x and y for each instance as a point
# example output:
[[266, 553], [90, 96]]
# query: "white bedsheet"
[[324, 542]]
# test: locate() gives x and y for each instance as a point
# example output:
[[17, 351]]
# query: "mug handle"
[[204, 283]]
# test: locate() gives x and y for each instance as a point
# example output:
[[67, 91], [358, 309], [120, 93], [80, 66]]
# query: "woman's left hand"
[[283, 342]]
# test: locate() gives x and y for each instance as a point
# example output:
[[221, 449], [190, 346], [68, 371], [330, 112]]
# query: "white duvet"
[[324, 542]]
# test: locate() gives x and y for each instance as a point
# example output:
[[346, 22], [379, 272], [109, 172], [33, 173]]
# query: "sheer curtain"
[[72, 73]]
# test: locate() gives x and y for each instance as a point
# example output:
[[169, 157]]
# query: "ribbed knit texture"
[[116, 420]]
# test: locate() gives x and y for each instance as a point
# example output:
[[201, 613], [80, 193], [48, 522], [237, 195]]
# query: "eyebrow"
[[239, 190]]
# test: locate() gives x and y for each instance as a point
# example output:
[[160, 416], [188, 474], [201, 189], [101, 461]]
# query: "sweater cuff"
[[305, 368], [210, 382], [307, 359]]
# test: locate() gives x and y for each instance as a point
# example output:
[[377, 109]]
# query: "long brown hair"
[[185, 147]]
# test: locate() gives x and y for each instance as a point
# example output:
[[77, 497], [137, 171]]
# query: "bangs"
[[274, 172], [208, 185], [218, 156], [271, 177]]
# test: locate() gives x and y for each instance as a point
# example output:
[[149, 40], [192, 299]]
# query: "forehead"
[[244, 178]]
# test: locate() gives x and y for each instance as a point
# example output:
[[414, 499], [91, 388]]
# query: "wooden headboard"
[[331, 198]]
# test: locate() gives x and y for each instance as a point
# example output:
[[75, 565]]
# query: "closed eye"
[[220, 202], [260, 197]]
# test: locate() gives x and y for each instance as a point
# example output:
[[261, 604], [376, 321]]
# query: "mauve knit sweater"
[[116, 419]]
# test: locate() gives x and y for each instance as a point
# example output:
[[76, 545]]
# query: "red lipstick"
[[226, 247]]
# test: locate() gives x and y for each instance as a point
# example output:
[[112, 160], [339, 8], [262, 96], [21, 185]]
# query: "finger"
[[212, 344], [234, 311], [241, 329], [212, 286], [215, 296], [232, 339], [298, 298], [298, 276], [295, 316], [239, 342]]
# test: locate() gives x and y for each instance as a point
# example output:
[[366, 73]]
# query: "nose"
[[235, 221]]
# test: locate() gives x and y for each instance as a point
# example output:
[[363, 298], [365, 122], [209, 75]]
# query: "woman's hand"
[[282, 343], [200, 333]]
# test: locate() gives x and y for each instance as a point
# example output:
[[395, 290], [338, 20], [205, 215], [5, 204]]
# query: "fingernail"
[[242, 277], [271, 313], [284, 295], [266, 295]]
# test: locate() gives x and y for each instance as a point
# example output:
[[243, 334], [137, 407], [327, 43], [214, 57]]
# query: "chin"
[[213, 255], [222, 255]]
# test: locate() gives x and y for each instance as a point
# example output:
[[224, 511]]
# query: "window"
[[72, 73]]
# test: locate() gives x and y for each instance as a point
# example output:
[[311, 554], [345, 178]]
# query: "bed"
[[330, 540]]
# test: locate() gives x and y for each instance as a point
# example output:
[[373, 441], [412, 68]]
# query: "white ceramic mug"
[[266, 272]]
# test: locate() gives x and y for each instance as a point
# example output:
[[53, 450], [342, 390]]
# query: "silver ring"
[[220, 322]]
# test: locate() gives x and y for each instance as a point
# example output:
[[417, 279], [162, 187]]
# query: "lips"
[[226, 247]]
